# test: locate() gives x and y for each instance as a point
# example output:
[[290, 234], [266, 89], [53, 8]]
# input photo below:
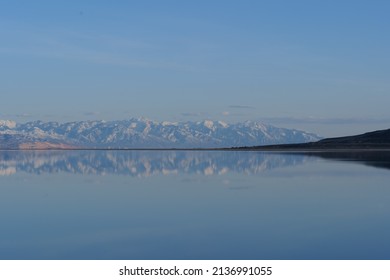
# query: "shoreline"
[[241, 149]]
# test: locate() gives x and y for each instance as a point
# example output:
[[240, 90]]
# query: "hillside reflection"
[[144, 163], [373, 158]]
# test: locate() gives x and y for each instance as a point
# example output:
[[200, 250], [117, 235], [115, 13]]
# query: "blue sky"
[[321, 66]]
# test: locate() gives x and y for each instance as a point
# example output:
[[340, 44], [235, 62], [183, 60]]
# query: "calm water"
[[194, 205]]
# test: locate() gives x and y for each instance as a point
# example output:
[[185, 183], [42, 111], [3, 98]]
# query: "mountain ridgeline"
[[143, 133]]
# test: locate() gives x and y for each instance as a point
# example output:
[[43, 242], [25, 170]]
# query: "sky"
[[319, 66]]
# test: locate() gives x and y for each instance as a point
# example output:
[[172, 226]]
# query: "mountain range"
[[139, 133]]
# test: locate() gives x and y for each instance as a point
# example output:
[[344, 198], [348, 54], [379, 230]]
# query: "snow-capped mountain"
[[144, 133]]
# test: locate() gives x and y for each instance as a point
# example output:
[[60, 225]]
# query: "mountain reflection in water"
[[144, 163], [148, 163]]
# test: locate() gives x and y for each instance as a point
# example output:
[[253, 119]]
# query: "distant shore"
[[249, 149]]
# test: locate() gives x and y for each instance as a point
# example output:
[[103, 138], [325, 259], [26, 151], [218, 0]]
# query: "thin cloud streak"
[[242, 107], [91, 113], [329, 121], [191, 114], [65, 45]]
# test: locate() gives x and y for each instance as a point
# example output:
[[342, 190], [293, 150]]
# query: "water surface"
[[194, 205]]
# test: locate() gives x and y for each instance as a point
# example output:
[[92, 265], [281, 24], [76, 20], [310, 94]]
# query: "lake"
[[194, 205]]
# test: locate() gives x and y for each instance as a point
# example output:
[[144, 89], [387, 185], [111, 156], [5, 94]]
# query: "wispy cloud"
[[24, 115], [189, 114], [328, 121], [88, 114], [77, 46], [242, 107], [18, 116]]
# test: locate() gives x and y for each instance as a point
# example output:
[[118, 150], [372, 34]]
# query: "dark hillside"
[[371, 140]]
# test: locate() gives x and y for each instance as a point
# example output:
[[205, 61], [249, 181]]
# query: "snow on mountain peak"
[[223, 124], [165, 123], [8, 123], [209, 124]]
